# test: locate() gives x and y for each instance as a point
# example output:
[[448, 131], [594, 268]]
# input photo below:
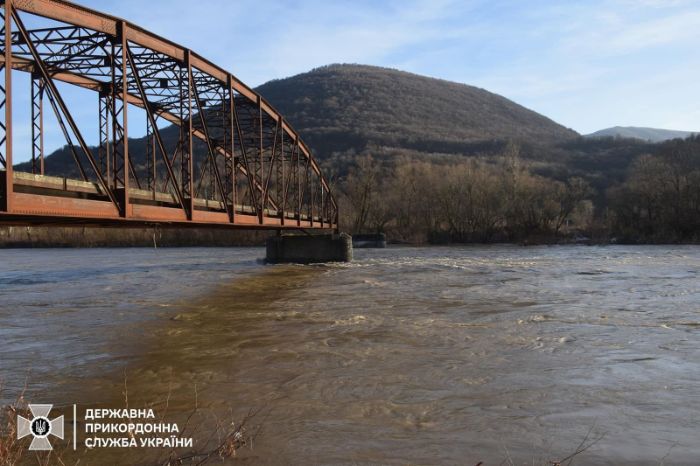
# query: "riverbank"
[[89, 237]]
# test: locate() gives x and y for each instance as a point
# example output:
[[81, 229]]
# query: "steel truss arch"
[[237, 162]]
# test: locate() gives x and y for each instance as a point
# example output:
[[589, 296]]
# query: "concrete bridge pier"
[[307, 249]]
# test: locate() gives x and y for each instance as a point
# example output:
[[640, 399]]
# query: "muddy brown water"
[[435, 355]]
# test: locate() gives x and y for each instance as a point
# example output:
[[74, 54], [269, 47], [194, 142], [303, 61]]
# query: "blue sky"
[[585, 64]]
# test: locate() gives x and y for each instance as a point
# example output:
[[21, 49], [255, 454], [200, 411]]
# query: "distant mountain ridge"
[[644, 134]]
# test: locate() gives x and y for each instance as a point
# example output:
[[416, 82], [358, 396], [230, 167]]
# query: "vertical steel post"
[[37, 96], [322, 210], [310, 180], [187, 149], [150, 157], [298, 182], [104, 151], [262, 170], [282, 199], [125, 126], [154, 163], [113, 122], [231, 161], [118, 109], [308, 193], [9, 177]]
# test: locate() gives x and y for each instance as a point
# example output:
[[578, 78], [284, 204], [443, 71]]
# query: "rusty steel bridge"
[[235, 161]]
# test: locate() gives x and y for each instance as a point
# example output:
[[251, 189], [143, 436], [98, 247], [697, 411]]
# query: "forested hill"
[[355, 107], [359, 109]]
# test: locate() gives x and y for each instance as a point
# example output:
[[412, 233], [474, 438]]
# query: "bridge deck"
[[39, 199]]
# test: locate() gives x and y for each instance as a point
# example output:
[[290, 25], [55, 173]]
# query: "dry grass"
[[222, 443], [218, 443], [589, 440], [12, 450], [216, 438]]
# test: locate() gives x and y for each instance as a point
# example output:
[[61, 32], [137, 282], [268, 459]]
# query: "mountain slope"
[[340, 107], [645, 134], [351, 108]]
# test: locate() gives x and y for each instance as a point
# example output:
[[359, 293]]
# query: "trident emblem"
[[40, 427]]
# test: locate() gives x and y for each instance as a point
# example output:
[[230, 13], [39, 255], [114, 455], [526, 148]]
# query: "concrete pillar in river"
[[306, 249]]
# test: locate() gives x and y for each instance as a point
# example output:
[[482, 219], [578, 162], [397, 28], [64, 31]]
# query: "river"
[[425, 355]]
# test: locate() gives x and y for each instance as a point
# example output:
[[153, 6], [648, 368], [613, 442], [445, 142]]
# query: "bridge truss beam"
[[236, 162]]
